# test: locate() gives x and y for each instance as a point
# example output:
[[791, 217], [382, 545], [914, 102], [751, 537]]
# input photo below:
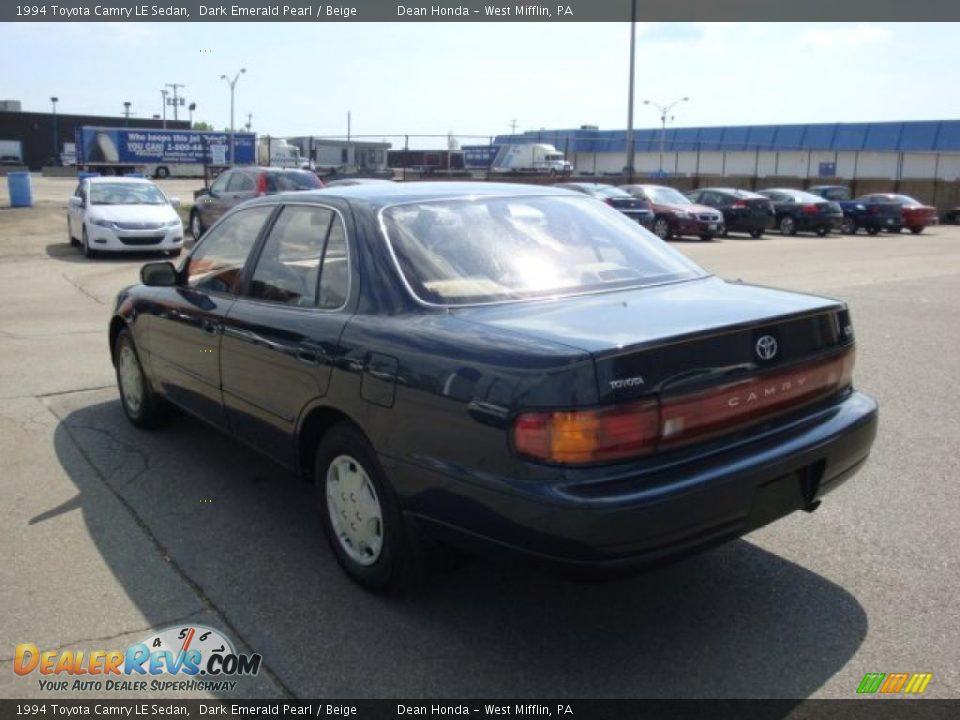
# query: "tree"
[[202, 126]]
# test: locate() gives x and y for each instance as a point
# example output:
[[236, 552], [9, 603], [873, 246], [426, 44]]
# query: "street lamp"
[[233, 85], [191, 107], [664, 110], [126, 111], [164, 94], [630, 138], [53, 102]]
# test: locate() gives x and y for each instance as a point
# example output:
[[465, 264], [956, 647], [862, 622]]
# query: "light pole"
[[664, 110], [176, 100], [53, 102], [126, 111], [191, 107], [164, 93], [233, 85], [630, 140]]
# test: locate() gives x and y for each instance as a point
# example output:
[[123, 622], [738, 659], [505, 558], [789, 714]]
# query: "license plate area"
[[785, 494]]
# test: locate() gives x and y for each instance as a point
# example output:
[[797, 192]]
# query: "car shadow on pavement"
[[737, 621], [66, 252]]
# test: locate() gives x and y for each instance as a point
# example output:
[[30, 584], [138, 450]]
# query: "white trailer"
[[277, 152], [531, 157]]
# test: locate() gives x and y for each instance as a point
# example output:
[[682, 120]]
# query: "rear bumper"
[[643, 514], [749, 223], [815, 223]]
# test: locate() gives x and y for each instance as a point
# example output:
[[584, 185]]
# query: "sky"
[[476, 78]]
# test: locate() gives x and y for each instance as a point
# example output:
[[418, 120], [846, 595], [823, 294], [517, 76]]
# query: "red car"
[[916, 215], [675, 215]]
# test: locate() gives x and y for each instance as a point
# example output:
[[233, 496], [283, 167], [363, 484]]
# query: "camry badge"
[[766, 347]]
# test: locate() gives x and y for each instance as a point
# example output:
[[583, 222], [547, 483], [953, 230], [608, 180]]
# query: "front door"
[[281, 336], [187, 324]]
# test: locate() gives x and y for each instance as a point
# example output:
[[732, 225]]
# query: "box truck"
[[159, 153], [277, 152], [531, 157]]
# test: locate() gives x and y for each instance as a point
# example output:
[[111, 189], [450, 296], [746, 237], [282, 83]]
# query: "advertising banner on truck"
[[148, 146]]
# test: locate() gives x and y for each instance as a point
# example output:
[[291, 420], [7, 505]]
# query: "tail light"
[[608, 201], [739, 204], [811, 209], [261, 184], [635, 429]]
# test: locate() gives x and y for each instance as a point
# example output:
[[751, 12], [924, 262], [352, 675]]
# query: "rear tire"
[[916, 230], [821, 232], [849, 226], [706, 238], [361, 517], [873, 230], [140, 404], [161, 173], [788, 225], [755, 234]]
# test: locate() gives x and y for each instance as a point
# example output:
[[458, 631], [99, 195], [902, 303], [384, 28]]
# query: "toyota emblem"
[[766, 347]]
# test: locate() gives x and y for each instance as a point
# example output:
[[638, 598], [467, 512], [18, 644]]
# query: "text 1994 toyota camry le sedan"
[[496, 366]]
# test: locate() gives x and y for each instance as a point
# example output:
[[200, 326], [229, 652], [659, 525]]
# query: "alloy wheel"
[[131, 379]]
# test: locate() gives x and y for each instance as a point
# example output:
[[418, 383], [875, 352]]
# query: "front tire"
[[196, 225], [88, 252], [821, 232], [849, 226], [756, 234], [916, 230], [873, 230], [140, 404], [360, 513], [161, 173], [661, 228], [73, 240], [706, 238], [788, 225]]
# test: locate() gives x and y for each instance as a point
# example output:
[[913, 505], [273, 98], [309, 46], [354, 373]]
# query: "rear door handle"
[[311, 353]]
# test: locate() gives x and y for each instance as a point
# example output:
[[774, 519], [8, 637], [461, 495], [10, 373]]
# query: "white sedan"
[[123, 214]]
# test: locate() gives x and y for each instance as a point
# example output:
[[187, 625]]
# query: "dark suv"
[[238, 185]]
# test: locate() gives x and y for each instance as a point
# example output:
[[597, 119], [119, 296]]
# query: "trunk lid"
[[682, 337]]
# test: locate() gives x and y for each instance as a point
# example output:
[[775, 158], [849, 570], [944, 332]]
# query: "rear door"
[[281, 337], [186, 322]]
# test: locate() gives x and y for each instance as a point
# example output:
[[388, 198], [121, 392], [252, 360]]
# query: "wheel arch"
[[117, 324], [315, 423]]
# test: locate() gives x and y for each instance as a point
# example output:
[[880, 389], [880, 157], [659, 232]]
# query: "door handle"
[[311, 353]]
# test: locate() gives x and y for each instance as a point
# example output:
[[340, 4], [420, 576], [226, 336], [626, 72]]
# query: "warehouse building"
[[44, 136], [928, 150]]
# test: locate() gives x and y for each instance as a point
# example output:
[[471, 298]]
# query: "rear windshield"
[[292, 180], [612, 192], [495, 249]]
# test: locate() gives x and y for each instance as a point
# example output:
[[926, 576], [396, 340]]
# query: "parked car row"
[[716, 211]]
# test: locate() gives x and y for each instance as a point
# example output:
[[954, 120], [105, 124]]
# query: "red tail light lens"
[[608, 201], [740, 204], [261, 184], [811, 208], [635, 429]]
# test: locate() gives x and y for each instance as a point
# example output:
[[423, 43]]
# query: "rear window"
[[292, 181], [612, 192], [665, 195], [496, 249], [837, 193]]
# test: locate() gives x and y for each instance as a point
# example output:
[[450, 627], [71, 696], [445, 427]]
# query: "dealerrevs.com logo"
[[177, 658]]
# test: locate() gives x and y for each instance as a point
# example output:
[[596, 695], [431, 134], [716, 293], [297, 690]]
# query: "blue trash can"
[[21, 191]]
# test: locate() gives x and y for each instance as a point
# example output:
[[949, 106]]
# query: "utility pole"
[[631, 154], [664, 110], [233, 85], [164, 94], [249, 121], [513, 126], [53, 102], [348, 126], [176, 100]]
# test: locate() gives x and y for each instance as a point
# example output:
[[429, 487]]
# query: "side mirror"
[[201, 192], [76, 202], [158, 274], [175, 202]]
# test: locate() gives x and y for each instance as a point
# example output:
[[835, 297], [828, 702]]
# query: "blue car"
[[871, 215], [493, 367]]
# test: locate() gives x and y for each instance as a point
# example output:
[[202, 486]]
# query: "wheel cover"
[[786, 224], [661, 228], [131, 379], [195, 226], [354, 509]]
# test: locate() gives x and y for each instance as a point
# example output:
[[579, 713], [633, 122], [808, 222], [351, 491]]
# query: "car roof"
[[730, 190], [119, 179], [384, 194]]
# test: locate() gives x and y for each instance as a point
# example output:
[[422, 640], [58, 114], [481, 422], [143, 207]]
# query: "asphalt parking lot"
[[107, 532]]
